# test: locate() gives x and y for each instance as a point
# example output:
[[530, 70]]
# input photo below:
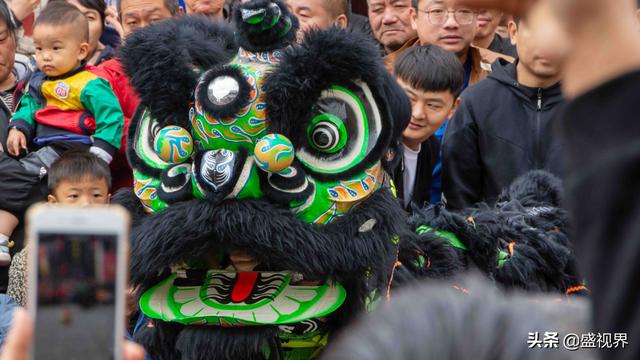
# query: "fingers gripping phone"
[[77, 272]]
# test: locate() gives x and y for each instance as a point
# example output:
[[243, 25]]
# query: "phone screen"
[[76, 296]]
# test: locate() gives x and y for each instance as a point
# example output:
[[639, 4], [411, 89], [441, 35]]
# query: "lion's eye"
[[223, 90], [344, 125], [327, 133]]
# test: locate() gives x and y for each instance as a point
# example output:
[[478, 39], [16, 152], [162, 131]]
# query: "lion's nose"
[[215, 172]]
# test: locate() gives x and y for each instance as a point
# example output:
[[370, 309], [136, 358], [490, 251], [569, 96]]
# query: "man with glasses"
[[453, 28]]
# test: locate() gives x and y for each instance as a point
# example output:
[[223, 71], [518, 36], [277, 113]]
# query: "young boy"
[[78, 178], [432, 78], [68, 106]]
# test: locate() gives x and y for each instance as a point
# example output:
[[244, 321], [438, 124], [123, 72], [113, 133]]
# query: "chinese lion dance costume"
[[276, 151], [247, 143]]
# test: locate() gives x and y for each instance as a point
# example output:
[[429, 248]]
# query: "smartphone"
[[77, 269]]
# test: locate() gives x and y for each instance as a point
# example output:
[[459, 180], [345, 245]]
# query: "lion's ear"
[[164, 62]]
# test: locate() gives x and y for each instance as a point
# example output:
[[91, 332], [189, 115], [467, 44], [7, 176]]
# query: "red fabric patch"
[[75, 121], [245, 282]]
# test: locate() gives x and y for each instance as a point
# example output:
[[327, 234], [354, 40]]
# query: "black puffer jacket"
[[427, 160], [500, 131]]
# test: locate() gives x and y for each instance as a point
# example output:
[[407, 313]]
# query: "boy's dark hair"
[[5, 16], [60, 13], [430, 68], [73, 165]]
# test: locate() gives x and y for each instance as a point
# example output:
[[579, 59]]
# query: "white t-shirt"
[[409, 173]]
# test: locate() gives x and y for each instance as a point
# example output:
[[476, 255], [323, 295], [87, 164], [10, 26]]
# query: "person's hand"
[[16, 346], [112, 18], [23, 8], [133, 351], [16, 141]]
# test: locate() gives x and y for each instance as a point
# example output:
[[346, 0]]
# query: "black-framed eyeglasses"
[[440, 16]]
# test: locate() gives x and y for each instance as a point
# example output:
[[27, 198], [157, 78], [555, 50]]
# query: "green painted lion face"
[[278, 154], [228, 147]]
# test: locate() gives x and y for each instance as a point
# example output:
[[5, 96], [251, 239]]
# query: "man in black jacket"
[[504, 125], [432, 78]]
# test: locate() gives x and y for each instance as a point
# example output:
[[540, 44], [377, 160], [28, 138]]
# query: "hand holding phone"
[[19, 338], [77, 274]]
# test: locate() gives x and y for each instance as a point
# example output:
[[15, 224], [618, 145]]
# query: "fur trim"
[[228, 110], [159, 339], [127, 198], [261, 37], [442, 260], [175, 189], [277, 239], [132, 136], [325, 58], [535, 188], [531, 240], [219, 343], [273, 185], [160, 61]]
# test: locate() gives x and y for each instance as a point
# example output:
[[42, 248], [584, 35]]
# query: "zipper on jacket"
[[538, 130], [539, 99]]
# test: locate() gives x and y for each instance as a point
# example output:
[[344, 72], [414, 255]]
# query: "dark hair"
[[338, 7], [171, 5], [430, 320], [98, 5], [518, 18], [73, 165], [5, 15], [430, 68], [60, 13], [414, 4]]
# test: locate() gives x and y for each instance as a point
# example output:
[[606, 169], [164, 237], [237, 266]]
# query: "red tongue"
[[245, 281]]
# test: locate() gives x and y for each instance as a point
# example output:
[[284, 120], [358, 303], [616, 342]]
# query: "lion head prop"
[[267, 151]]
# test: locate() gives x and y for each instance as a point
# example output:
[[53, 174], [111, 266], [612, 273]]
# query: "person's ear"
[[84, 51], [456, 103], [341, 21], [52, 199], [414, 19], [513, 32], [108, 198]]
